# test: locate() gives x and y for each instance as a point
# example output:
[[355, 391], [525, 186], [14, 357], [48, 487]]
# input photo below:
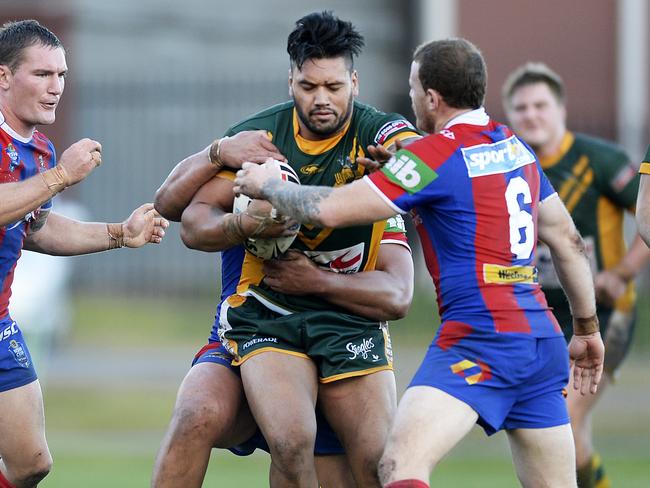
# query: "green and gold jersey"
[[645, 165], [597, 183], [329, 162]]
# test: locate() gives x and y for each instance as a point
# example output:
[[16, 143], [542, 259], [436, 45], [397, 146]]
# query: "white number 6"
[[520, 219]]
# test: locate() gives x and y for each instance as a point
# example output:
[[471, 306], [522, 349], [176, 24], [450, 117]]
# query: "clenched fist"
[[80, 159]]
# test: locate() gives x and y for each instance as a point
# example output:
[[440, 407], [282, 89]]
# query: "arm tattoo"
[[299, 202], [38, 223]]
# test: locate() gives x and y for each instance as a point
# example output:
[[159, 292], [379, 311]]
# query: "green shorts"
[[341, 345]]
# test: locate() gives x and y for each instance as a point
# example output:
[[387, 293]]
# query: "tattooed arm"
[[352, 204]]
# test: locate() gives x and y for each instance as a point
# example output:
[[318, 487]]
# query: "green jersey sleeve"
[[616, 176], [383, 128]]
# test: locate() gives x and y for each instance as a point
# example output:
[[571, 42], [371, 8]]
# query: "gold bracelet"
[[585, 326], [214, 154], [115, 235], [56, 179]]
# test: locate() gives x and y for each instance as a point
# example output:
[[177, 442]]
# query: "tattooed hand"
[[265, 182], [252, 179]]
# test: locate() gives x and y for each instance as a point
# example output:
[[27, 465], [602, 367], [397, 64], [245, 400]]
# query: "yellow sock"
[[601, 480]]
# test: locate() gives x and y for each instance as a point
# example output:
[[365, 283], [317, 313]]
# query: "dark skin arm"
[[204, 219], [379, 155], [176, 192], [382, 294]]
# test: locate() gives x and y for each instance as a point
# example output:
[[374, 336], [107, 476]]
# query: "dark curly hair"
[[322, 35]]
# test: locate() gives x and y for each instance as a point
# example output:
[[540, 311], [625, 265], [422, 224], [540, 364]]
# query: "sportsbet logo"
[[409, 171], [498, 157]]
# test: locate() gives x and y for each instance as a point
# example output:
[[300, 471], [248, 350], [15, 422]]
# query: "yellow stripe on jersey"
[[580, 190], [569, 183], [315, 241], [315, 148], [251, 274], [612, 245], [226, 174], [505, 275], [550, 161], [375, 241], [645, 168], [402, 136]]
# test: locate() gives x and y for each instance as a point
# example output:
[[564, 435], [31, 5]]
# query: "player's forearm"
[[643, 209], [176, 192], [302, 203], [375, 295], [634, 260], [643, 225], [352, 204], [19, 199], [61, 236], [203, 230], [574, 272]]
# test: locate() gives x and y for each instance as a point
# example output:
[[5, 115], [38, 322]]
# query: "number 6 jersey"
[[474, 190]]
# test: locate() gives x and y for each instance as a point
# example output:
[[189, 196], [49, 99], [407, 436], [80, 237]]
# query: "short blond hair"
[[529, 74]]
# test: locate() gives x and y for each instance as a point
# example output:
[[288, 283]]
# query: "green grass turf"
[[99, 469], [103, 434], [116, 320]]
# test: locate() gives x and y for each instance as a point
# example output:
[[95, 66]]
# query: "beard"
[[328, 129]]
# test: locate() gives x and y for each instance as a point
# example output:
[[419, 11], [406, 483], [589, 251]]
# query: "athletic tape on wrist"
[[585, 326], [56, 179], [115, 235]]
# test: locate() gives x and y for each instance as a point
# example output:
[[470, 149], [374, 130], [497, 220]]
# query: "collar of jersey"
[[5, 127], [553, 159], [473, 117], [314, 148]]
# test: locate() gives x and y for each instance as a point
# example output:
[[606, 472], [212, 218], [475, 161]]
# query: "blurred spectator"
[[597, 183]]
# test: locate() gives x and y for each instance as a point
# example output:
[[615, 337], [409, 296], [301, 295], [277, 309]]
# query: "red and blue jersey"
[[20, 158], [474, 190]]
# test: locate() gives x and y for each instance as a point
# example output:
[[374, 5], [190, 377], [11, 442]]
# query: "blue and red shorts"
[[511, 380], [16, 365]]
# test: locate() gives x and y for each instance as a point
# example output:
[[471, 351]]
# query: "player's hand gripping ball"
[[266, 248]]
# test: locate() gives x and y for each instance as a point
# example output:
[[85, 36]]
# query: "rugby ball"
[[268, 248]]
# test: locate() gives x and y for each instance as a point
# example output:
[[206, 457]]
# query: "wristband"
[[56, 179], [585, 326], [214, 153], [115, 235]]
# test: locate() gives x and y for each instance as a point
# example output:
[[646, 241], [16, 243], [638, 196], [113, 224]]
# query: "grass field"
[[110, 389]]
